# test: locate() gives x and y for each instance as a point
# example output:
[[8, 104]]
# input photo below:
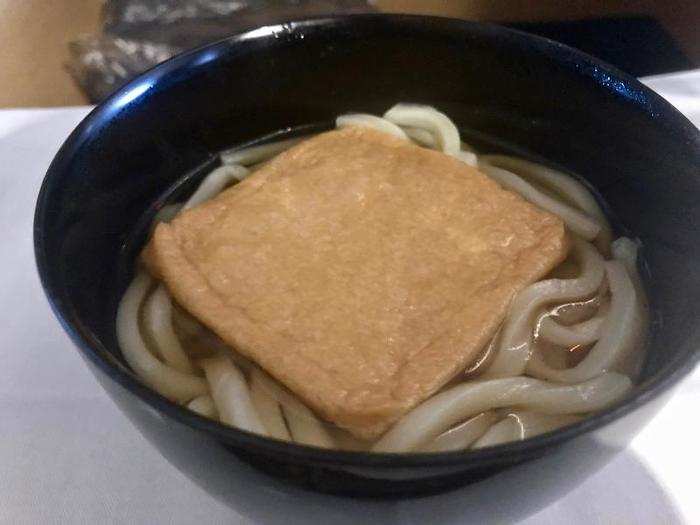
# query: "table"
[[67, 455]]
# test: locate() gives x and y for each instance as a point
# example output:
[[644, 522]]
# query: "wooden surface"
[[33, 38], [34, 33]]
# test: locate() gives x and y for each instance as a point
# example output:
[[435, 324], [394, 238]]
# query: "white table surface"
[[67, 455]]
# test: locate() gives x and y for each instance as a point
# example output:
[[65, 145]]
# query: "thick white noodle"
[[421, 136], [425, 138], [626, 250], [535, 423], [502, 432], [268, 407], [204, 406], [305, 427], [561, 182], [231, 395], [583, 333], [577, 221], [166, 380], [254, 154], [444, 410], [462, 436], [303, 424], [521, 425], [621, 334], [515, 346], [468, 158], [216, 181], [565, 184], [158, 321], [370, 121], [577, 311], [484, 360], [430, 119]]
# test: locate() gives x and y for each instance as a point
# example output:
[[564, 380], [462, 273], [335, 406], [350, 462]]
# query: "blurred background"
[[72, 52]]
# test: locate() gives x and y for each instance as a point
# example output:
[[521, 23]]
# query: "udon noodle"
[[570, 345]]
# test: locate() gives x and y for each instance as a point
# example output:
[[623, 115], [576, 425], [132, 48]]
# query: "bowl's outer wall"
[[546, 98], [501, 492]]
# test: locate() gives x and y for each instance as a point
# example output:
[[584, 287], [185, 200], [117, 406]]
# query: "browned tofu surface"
[[361, 271]]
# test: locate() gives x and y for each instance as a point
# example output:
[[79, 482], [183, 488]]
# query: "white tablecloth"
[[67, 455]]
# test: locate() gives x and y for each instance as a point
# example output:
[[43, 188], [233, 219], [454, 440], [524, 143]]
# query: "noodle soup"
[[568, 344]]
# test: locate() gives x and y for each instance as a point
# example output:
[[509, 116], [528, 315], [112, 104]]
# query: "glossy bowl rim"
[[91, 349]]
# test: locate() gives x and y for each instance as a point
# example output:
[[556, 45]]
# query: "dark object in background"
[[102, 63], [637, 45], [550, 101], [138, 34], [186, 24]]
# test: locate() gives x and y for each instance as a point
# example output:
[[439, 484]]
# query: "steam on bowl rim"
[[605, 76]]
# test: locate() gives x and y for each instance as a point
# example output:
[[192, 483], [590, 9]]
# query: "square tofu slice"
[[361, 271]]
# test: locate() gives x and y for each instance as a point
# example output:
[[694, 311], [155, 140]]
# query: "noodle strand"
[[462, 436], [566, 185], [575, 220], [204, 406], [158, 320], [303, 424], [216, 181], [168, 381], [254, 154], [370, 121], [580, 334], [621, 333], [516, 340], [268, 407], [443, 410], [521, 425], [231, 395], [425, 117]]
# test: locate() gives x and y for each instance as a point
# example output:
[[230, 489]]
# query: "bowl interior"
[[505, 89]]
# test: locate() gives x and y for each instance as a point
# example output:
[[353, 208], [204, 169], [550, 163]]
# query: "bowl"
[[508, 91]]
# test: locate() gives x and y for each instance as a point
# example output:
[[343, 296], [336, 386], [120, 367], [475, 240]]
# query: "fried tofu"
[[359, 270]]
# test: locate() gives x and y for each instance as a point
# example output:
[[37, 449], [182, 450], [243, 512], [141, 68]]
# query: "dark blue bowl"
[[520, 92]]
